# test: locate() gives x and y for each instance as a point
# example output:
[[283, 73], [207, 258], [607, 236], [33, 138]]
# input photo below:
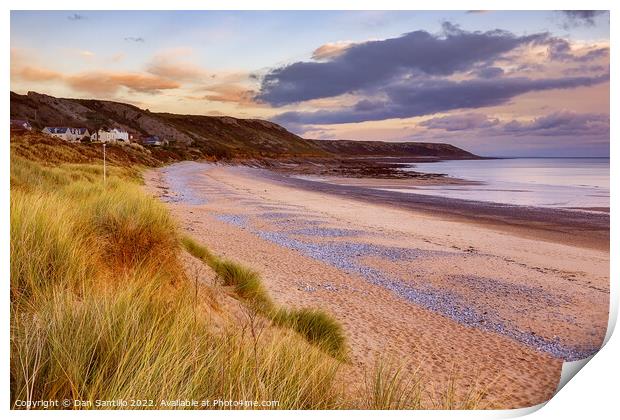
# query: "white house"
[[115, 134], [83, 132], [70, 134]]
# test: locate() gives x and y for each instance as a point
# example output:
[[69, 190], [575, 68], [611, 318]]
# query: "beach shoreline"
[[442, 291], [579, 226]]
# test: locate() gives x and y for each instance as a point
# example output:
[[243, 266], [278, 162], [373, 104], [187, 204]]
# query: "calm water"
[[525, 181]]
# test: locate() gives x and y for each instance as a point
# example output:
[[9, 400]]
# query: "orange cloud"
[[177, 71], [231, 93], [172, 64], [97, 82], [331, 50], [35, 74], [110, 82]]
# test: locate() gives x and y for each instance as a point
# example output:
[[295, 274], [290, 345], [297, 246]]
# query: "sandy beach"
[[491, 295]]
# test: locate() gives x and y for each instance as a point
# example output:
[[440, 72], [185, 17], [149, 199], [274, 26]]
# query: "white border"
[[592, 395]]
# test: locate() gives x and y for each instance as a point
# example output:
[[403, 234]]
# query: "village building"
[[135, 137], [84, 134], [20, 126], [70, 134], [113, 135], [154, 141]]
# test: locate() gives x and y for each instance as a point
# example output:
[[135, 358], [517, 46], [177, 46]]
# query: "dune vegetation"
[[314, 324], [102, 307]]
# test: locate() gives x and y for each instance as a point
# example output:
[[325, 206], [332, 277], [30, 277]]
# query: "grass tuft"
[[247, 284], [134, 227], [318, 327], [388, 388]]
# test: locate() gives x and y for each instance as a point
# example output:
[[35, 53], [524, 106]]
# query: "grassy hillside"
[[232, 137], [218, 137], [207, 136], [404, 149], [38, 146]]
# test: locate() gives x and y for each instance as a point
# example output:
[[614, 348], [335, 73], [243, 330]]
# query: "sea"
[[574, 183]]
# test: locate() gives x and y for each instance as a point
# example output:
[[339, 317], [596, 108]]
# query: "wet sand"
[[454, 294], [581, 228]]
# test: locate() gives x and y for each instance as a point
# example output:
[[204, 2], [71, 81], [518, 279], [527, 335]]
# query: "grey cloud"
[[460, 122], [557, 124], [430, 96], [489, 72], [560, 50], [134, 39], [581, 17], [76, 16], [584, 68], [562, 124], [367, 65]]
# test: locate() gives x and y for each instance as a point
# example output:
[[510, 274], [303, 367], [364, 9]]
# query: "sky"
[[496, 83]]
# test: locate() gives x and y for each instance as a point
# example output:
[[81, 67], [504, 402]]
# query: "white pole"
[[104, 169]]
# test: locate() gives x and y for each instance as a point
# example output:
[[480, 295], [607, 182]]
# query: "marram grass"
[[317, 326], [101, 308]]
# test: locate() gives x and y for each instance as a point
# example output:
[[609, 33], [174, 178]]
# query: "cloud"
[[176, 64], [76, 16], [585, 68], [173, 64], [561, 50], [562, 124], [111, 82], [369, 64], [489, 72], [227, 92], [134, 39], [35, 74], [331, 50], [175, 71], [460, 122], [581, 17], [96, 82], [406, 99], [557, 124]]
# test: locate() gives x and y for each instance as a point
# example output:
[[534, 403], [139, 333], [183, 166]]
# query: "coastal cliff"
[[219, 137]]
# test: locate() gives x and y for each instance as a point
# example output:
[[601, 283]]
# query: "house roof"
[[120, 130], [57, 130], [63, 130]]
